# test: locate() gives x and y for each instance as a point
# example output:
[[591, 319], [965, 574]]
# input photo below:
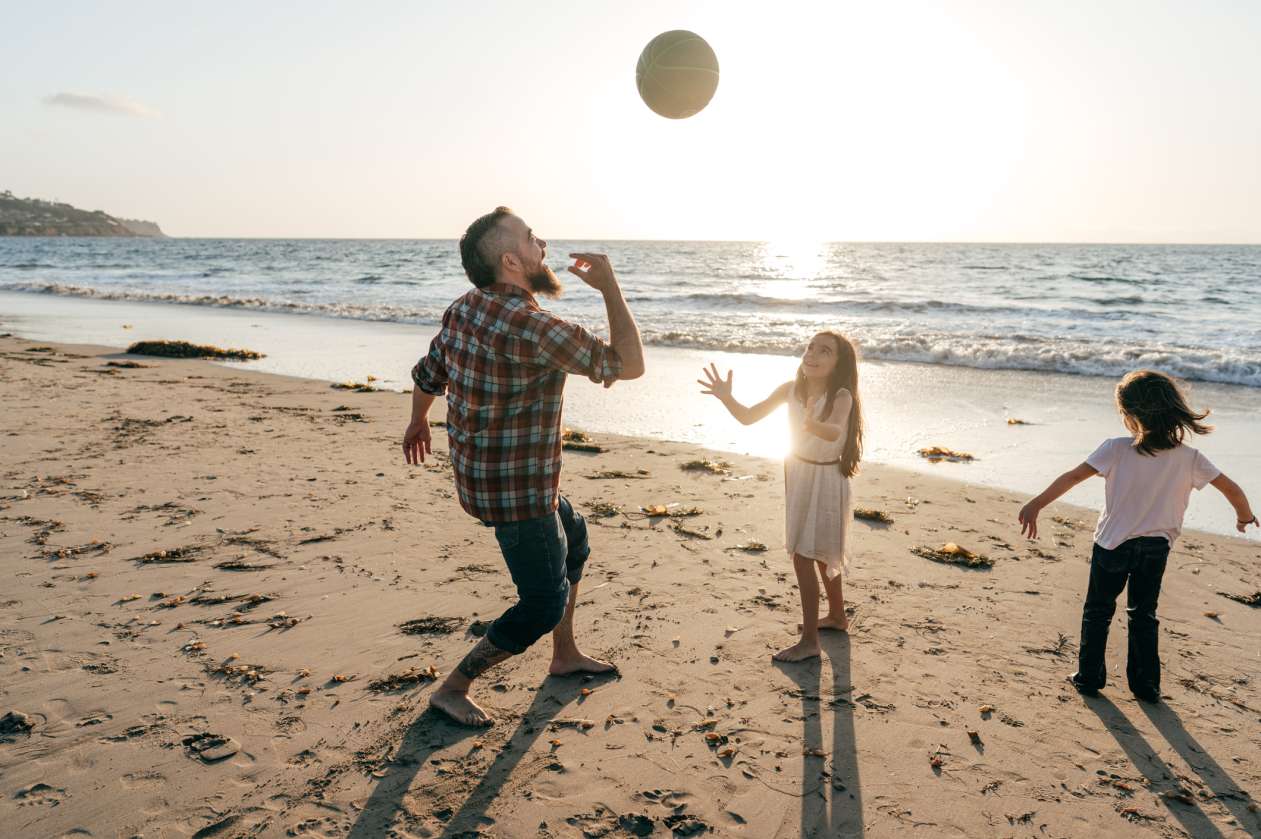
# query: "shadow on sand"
[[1213, 776], [1162, 777], [831, 797], [432, 732]]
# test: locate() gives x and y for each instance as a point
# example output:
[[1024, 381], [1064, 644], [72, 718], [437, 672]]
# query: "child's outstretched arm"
[[720, 388], [825, 429], [1062, 484], [1235, 495]]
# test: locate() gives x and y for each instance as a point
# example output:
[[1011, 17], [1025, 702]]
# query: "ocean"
[[1081, 309]]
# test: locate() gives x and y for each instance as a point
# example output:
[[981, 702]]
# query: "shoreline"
[[961, 408], [201, 549]]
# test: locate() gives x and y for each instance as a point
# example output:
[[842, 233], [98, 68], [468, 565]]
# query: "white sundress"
[[817, 499]]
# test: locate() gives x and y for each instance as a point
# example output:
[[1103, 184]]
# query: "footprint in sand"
[[211, 748], [40, 794], [142, 780]]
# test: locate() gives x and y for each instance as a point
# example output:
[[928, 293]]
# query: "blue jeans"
[[544, 556], [1139, 565]]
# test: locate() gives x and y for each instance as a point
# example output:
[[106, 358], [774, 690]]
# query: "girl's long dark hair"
[[1153, 407], [843, 376]]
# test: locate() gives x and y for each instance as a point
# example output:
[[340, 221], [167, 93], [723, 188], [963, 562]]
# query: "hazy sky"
[[978, 121]]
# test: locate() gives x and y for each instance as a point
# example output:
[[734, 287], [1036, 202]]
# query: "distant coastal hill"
[[35, 217]]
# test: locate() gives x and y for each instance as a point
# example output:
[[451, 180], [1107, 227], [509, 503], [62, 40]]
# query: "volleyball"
[[677, 74]]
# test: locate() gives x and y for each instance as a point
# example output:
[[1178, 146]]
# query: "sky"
[[1074, 121]]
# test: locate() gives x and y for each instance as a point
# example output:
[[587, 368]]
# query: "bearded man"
[[501, 361]]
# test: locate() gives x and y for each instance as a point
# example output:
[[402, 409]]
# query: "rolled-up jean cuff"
[[574, 565], [579, 548], [504, 643]]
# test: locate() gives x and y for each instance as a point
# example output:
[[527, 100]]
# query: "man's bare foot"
[[568, 665], [459, 708], [799, 651], [832, 622]]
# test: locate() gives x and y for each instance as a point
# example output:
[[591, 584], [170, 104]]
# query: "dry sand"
[[206, 570]]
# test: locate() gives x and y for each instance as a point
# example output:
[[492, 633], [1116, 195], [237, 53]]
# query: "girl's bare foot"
[[456, 705], [799, 651], [833, 622], [579, 663]]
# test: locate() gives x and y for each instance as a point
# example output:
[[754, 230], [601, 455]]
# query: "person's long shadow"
[[830, 806], [1217, 779], [431, 732], [1145, 759], [554, 694]]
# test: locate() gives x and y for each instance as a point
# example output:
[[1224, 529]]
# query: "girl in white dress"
[[825, 419]]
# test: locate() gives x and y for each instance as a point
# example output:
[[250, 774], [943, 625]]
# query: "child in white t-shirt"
[[1149, 477]]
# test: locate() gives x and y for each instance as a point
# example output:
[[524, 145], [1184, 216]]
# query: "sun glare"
[[791, 268]]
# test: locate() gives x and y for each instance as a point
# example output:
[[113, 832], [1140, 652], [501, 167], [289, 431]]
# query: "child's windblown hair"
[[1156, 412], [843, 376]]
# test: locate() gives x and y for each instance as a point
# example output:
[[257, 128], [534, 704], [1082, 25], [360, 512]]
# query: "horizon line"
[[687, 241]]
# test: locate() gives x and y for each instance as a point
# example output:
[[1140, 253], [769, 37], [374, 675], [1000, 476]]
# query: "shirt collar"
[[513, 291]]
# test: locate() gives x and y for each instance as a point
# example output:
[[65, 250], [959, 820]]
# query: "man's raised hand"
[[594, 269], [417, 442]]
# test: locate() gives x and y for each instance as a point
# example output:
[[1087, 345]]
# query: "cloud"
[[99, 104]]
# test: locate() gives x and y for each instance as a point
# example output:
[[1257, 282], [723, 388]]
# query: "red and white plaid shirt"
[[502, 361]]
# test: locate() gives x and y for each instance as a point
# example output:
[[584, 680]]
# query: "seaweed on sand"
[[430, 625], [673, 511], [187, 553], [713, 467], [357, 387], [952, 554], [401, 681], [1253, 600], [183, 349], [603, 509], [936, 454]]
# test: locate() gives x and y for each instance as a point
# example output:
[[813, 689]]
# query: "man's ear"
[[509, 261]]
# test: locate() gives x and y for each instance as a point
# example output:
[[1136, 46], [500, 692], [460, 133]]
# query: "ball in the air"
[[677, 74]]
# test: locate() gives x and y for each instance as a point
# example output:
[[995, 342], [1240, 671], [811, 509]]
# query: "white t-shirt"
[[1146, 495]]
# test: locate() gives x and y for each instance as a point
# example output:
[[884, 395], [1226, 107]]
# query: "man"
[[501, 361]]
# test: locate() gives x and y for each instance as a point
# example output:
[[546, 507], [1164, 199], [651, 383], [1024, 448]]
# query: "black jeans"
[[544, 556], [1137, 564]]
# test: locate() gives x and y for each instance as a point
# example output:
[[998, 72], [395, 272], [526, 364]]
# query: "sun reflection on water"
[[792, 266]]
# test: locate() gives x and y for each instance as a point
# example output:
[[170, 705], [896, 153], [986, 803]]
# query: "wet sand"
[[211, 576]]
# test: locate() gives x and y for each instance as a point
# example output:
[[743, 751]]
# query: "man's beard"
[[545, 282]]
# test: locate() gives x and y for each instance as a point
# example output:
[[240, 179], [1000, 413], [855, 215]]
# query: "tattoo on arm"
[[481, 658]]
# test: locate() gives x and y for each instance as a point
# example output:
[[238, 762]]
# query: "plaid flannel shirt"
[[502, 362]]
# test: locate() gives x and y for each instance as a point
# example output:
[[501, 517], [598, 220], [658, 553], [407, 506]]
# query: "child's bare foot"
[[837, 624], [579, 664], [459, 708], [799, 651]]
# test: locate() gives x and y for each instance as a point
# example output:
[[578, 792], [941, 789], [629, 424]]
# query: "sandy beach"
[[226, 599]]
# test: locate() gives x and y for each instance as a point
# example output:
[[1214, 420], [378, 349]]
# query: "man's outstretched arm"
[[623, 331]]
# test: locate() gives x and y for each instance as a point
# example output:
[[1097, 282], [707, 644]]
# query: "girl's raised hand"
[[714, 384]]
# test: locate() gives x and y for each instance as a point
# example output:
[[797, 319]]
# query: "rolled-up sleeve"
[[430, 373], [561, 345]]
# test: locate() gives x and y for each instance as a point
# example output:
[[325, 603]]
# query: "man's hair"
[[482, 246], [1156, 411]]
